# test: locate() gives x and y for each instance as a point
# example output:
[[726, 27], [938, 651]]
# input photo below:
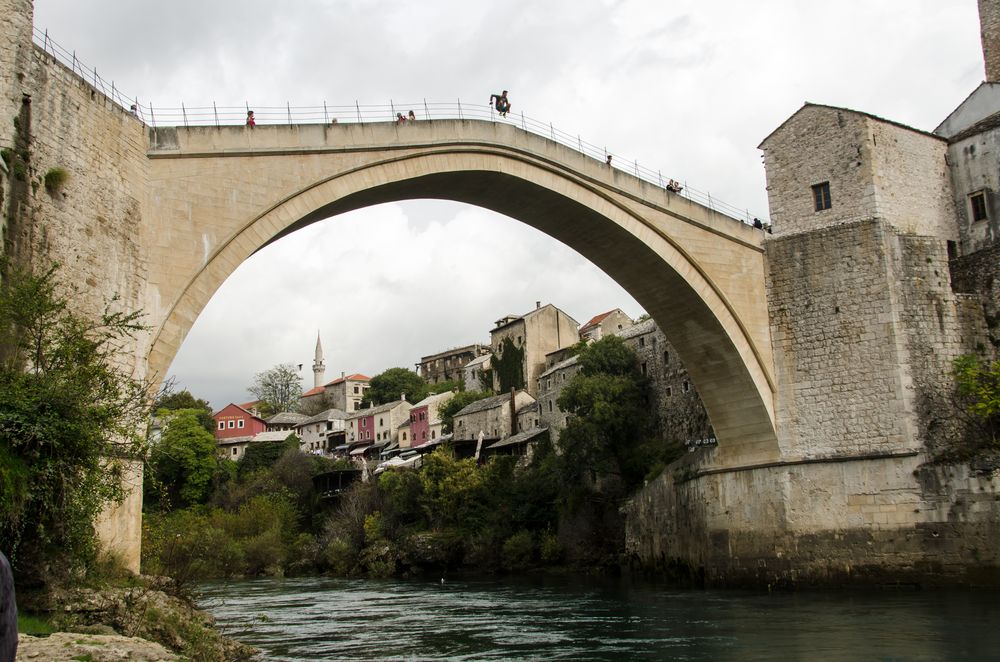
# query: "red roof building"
[[235, 421]]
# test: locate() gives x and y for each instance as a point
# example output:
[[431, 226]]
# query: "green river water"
[[587, 618]]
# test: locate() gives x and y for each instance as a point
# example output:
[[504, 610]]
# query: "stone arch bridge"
[[215, 195]]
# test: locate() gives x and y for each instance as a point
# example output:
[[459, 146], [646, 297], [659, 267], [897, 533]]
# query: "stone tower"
[[319, 368], [989, 31], [15, 62]]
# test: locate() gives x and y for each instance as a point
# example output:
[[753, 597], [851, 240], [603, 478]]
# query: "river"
[[587, 618]]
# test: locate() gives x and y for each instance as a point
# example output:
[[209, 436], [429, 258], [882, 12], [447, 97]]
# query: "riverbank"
[[126, 623]]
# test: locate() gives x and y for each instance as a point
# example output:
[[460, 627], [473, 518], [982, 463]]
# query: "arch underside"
[[727, 375]]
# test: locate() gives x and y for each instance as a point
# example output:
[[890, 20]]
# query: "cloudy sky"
[[688, 87]]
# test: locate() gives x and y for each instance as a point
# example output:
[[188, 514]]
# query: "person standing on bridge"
[[502, 103], [251, 122]]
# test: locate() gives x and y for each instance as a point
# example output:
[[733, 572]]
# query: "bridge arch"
[[699, 274]]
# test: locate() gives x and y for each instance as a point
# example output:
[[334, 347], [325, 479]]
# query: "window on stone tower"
[[978, 202], [821, 195]]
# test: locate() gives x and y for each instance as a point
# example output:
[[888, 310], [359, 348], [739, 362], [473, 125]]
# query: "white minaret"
[[319, 369]]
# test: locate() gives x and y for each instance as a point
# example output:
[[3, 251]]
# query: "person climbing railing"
[[412, 111]]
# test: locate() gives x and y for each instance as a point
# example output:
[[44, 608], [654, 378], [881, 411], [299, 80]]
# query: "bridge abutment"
[[864, 325]]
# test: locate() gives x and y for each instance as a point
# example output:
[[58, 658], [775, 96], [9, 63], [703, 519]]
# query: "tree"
[[612, 432], [185, 463], [170, 400], [262, 455], [389, 385], [978, 389], [461, 400], [70, 417], [278, 389]]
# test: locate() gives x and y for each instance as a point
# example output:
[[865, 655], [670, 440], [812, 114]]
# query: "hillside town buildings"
[[449, 365], [520, 342], [544, 342]]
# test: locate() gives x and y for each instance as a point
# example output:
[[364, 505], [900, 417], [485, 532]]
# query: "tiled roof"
[[519, 438], [286, 418], [271, 436], [638, 329], [484, 404], [356, 377], [559, 366], [361, 413], [332, 414], [313, 391], [435, 397], [479, 360], [597, 319], [528, 408]]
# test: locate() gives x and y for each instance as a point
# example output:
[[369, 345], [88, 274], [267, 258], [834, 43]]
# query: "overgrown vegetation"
[[70, 417], [264, 517], [507, 366], [391, 384], [977, 388], [55, 179]]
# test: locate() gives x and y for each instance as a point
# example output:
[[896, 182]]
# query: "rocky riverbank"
[[133, 623]]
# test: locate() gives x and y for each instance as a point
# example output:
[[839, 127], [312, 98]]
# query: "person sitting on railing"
[[399, 118], [251, 122], [674, 187], [411, 116], [757, 224], [502, 103]]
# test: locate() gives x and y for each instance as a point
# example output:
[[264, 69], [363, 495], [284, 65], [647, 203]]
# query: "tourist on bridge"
[[412, 117], [502, 104], [400, 119], [251, 122]]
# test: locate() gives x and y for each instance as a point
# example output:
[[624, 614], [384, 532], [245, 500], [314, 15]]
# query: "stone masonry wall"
[[89, 226], [978, 276], [876, 169], [817, 144], [825, 523], [15, 62], [974, 169], [936, 333], [844, 385], [911, 176], [989, 24]]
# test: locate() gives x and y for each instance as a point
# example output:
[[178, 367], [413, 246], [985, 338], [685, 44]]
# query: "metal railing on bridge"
[[215, 115]]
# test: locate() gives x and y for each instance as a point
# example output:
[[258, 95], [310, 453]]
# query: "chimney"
[[538, 304], [402, 396], [989, 32]]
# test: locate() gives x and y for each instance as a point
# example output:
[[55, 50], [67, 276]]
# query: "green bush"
[[341, 556], [55, 179], [550, 549], [519, 550]]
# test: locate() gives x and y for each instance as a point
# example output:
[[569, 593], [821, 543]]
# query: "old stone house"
[[449, 364], [494, 417], [520, 342], [322, 432], [604, 324], [424, 421], [378, 425]]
